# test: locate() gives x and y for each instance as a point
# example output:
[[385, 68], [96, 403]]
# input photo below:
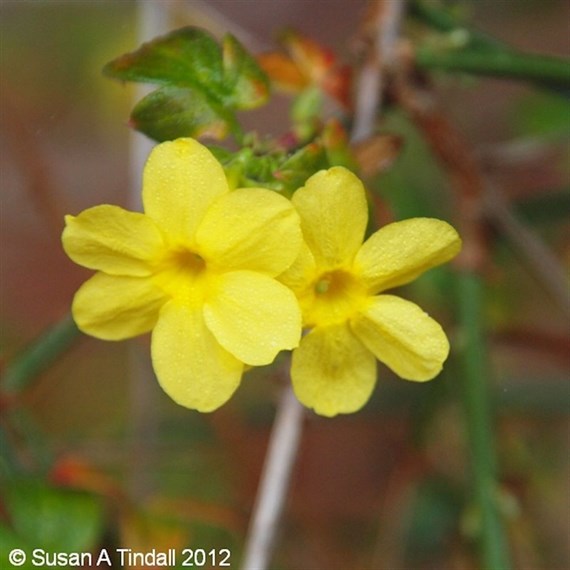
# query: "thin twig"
[[385, 29], [286, 432], [283, 446], [530, 248]]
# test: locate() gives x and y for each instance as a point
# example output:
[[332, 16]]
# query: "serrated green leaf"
[[172, 112], [188, 57], [246, 82], [59, 520]]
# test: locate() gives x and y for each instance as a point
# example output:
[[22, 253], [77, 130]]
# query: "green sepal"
[[248, 169], [274, 170], [298, 167]]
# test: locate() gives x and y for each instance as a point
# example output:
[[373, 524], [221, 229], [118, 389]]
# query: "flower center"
[[182, 275], [333, 284], [188, 262], [333, 298]]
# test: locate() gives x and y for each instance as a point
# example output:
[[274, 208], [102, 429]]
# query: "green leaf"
[[172, 112], [8, 542], [192, 58], [59, 520], [188, 57], [307, 106], [203, 84], [246, 82]]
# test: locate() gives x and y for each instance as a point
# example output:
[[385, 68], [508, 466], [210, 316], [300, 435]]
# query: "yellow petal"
[[397, 253], [113, 240], [180, 181], [253, 316], [334, 214], [252, 229], [116, 307], [301, 273], [332, 372], [192, 368], [403, 337]]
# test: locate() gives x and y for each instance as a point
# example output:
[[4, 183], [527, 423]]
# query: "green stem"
[[550, 71], [442, 20], [37, 356], [477, 406], [481, 54]]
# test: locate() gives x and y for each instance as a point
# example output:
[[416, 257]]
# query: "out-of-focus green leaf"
[[8, 542], [246, 83], [58, 520], [305, 112], [542, 114], [26, 433], [434, 519], [172, 112], [8, 457]]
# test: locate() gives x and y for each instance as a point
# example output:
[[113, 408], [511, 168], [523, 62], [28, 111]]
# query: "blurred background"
[[92, 436]]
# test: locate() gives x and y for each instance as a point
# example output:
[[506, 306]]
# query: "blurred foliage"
[[49, 518], [542, 114]]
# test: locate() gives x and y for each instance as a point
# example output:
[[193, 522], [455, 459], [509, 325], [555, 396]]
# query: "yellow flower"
[[337, 279], [197, 268]]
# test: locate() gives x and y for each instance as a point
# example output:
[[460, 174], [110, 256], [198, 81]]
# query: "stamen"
[[322, 285]]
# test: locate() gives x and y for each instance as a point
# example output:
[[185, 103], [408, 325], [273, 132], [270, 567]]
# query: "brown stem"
[[29, 157], [382, 28]]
